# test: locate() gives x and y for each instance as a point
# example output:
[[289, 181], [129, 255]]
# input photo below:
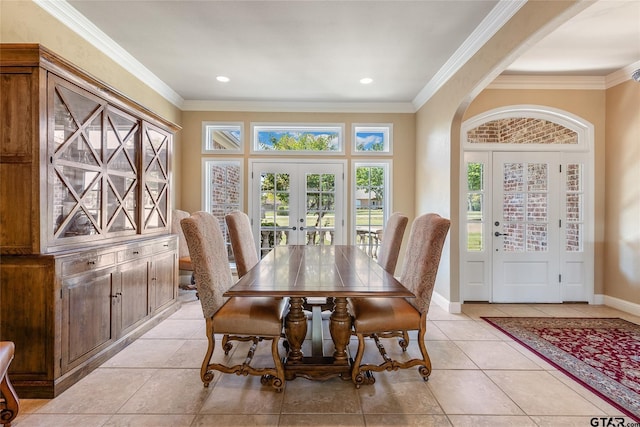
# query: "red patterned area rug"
[[603, 354]]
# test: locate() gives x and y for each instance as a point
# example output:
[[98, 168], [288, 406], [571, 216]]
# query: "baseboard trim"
[[598, 299], [620, 304], [450, 307]]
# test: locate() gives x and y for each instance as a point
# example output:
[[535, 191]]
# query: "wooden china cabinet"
[[87, 263]]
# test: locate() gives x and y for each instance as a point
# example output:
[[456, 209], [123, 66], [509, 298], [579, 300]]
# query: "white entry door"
[[297, 203], [525, 227]]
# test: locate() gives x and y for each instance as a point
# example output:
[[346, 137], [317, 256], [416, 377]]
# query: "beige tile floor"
[[480, 378]]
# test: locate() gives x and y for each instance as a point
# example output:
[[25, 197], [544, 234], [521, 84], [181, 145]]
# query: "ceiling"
[[317, 51]]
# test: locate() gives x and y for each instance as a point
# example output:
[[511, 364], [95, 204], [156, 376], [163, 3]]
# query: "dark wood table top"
[[318, 271]]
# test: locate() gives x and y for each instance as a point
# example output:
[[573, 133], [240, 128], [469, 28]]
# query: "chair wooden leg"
[[206, 374], [404, 341], [11, 405], [278, 381], [356, 375], [226, 345], [425, 370]]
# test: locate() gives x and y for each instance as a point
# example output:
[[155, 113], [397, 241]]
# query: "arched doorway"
[[526, 206]]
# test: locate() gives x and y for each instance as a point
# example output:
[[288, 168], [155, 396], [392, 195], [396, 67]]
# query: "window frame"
[[209, 126], [206, 177], [387, 165], [257, 127], [385, 128]]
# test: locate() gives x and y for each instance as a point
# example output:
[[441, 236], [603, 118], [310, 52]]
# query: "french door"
[[526, 227], [297, 203]]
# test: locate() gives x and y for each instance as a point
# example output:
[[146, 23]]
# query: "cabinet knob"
[[136, 252]]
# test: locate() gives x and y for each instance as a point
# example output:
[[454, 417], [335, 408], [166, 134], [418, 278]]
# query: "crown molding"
[[490, 25], [299, 107], [510, 81], [622, 75], [548, 82], [69, 16]]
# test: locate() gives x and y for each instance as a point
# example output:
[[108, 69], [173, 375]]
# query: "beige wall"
[[622, 189], [403, 149], [587, 104]]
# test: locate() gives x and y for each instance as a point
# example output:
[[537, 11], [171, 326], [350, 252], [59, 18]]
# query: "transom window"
[[218, 137], [372, 139], [298, 139]]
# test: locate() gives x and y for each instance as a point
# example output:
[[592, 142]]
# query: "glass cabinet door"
[[76, 161], [156, 145], [122, 139]]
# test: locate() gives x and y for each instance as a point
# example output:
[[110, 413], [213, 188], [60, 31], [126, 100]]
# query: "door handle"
[[498, 234]]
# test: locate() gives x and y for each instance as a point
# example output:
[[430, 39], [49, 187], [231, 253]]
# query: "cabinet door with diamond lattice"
[[77, 164], [156, 149]]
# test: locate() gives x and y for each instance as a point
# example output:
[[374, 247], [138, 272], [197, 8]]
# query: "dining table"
[[303, 272]]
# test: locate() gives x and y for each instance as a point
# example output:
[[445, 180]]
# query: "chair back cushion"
[[242, 243], [391, 242], [176, 217], [426, 239], [209, 259]]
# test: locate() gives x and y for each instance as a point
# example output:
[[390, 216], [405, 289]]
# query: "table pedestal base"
[[317, 366]]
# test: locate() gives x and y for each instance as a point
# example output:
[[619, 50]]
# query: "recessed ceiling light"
[[223, 79], [366, 80]]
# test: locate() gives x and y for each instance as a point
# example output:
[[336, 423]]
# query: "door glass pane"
[[274, 210], [574, 215], [513, 207], [475, 206], [369, 198], [320, 202], [513, 239], [513, 177], [156, 154], [121, 198], [537, 177], [155, 205], [537, 206], [537, 238], [121, 139], [77, 127]]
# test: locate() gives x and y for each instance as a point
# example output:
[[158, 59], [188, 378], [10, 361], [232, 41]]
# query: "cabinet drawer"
[[87, 262], [143, 250]]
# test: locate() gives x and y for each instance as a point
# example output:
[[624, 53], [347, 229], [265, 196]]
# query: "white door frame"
[[475, 268]]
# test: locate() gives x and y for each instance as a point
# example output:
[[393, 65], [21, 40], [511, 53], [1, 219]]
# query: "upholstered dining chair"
[[392, 236], [184, 259], [255, 317], [242, 243], [377, 318]]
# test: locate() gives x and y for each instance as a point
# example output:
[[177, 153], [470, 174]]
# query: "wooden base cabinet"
[[85, 308], [87, 262]]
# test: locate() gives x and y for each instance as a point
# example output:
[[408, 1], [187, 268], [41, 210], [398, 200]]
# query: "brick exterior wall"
[[521, 130]]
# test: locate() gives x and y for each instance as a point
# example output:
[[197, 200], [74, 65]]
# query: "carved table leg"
[[295, 329], [340, 328]]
